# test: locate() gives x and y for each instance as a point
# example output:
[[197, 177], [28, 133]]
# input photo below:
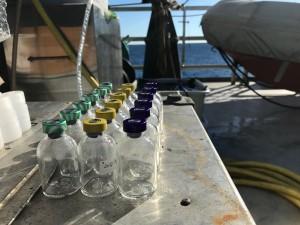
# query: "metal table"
[[194, 186]]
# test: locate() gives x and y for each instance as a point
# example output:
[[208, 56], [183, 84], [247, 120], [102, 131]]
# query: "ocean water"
[[195, 54]]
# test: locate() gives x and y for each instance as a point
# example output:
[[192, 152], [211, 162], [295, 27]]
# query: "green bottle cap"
[[70, 114], [101, 91], [91, 97], [54, 126], [82, 105], [107, 84]]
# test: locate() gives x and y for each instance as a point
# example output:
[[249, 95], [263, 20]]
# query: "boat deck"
[[243, 126]]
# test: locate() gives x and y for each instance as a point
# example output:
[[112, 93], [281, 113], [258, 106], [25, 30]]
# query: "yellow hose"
[[268, 166], [252, 174], [266, 176], [276, 176], [92, 81], [283, 190]]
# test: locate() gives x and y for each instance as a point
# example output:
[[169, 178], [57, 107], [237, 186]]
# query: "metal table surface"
[[190, 168]]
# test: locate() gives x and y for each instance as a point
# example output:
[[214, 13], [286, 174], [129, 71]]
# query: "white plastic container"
[[18, 102], [9, 123]]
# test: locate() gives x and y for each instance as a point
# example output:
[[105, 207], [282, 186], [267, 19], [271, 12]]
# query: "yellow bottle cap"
[[97, 125], [129, 85], [118, 95], [127, 91], [106, 113], [113, 103]]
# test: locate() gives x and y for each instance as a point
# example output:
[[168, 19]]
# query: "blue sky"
[[136, 23]]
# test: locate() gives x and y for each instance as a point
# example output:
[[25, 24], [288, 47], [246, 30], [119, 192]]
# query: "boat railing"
[[183, 38]]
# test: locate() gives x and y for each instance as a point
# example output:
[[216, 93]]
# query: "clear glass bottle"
[[153, 85], [145, 103], [72, 117], [152, 130], [85, 108], [93, 98], [132, 87], [98, 160], [155, 102], [114, 129], [57, 161], [138, 162], [102, 96], [122, 97], [144, 112], [117, 105], [108, 86], [129, 100]]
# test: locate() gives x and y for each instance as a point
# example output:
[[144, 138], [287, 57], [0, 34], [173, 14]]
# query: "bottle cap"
[[82, 105], [106, 113], [127, 91], [96, 125], [118, 95], [54, 126], [148, 96], [92, 97], [134, 125], [129, 85], [70, 114], [113, 103], [108, 85], [151, 84], [143, 103], [139, 113], [149, 90], [101, 91]]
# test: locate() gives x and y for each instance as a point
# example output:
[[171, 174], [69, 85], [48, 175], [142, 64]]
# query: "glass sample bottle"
[[122, 97], [108, 86], [85, 108], [57, 161], [93, 98], [129, 100], [132, 87], [98, 160], [117, 105], [102, 96], [138, 162], [72, 117], [114, 129]]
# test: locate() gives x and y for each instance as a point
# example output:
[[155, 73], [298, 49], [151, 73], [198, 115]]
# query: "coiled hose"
[[266, 176]]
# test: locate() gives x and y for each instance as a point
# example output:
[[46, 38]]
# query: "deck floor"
[[243, 126]]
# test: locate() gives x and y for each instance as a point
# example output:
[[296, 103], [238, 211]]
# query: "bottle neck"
[[93, 135], [55, 136], [134, 135], [71, 122]]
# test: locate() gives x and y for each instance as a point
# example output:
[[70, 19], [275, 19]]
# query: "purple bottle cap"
[[134, 125], [149, 90], [151, 84], [140, 103], [148, 96], [139, 113]]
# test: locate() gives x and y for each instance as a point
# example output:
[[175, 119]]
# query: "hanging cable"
[[233, 68]]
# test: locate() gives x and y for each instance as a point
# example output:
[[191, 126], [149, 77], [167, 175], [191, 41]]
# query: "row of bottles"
[[107, 141]]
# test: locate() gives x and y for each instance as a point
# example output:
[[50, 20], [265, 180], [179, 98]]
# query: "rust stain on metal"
[[222, 220]]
